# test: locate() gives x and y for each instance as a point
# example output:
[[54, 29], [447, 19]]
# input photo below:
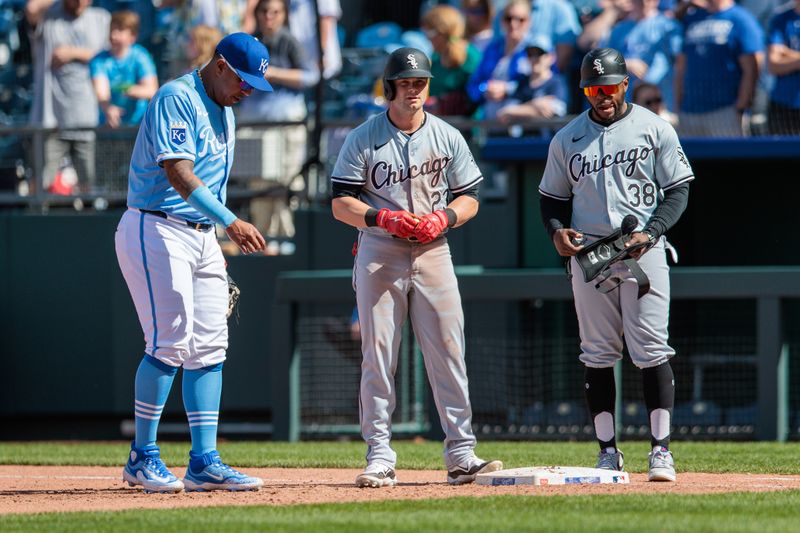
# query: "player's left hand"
[[638, 237], [430, 226], [246, 236]]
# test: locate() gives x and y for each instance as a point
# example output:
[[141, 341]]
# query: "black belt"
[[194, 225]]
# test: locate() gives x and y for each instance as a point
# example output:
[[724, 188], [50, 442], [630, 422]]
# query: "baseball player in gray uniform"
[[619, 159], [403, 178]]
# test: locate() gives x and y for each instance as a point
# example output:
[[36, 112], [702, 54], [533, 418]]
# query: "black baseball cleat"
[[462, 476]]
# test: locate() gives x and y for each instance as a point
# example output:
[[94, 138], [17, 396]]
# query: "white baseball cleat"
[[376, 476], [661, 466]]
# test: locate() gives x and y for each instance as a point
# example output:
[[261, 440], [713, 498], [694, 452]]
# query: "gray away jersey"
[[614, 171], [398, 171]]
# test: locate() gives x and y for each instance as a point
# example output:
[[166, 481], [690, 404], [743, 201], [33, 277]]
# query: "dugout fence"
[[733, 328]]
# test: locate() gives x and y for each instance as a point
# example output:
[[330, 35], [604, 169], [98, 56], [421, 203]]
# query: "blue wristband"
[[207, 204]]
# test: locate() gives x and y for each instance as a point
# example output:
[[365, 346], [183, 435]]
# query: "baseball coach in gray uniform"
[[403, 178], [614, 160]]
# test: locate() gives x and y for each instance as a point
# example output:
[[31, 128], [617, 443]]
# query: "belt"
[[194, 225]]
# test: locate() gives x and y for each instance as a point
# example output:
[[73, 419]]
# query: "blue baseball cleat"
[[208, 472], [145, 468]]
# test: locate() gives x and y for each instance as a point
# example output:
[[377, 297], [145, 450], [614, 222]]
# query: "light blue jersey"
[[181, 122]]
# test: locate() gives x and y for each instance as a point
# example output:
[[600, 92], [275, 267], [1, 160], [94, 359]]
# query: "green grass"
[[739, 512], [751, 457], [635, 513]]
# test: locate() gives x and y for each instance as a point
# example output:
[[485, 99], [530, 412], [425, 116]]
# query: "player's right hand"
[[400, 223], [246, 236], [567, 241]]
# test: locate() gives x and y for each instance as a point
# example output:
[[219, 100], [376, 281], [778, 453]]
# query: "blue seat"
[[744, 415], [566, 413], [533, 415], [635, 414], [417, 39], [379, 35], [341, 35], [700, 413]]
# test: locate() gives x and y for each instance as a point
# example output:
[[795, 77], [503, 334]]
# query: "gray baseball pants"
[[395, 278]]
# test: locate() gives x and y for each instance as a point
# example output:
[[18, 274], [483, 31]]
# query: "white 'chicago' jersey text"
[[413, 172], [615, 170]]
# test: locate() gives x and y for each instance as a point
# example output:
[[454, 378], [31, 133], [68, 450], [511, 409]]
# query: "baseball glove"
[[596, 259], [233, 298]]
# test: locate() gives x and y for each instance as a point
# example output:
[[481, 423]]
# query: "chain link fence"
[[526, 380]]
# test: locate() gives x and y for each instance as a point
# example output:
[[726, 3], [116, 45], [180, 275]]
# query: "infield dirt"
[[41, 489]]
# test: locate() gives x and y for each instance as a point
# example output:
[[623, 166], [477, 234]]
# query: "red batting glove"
[[400, 223], [431, 226]]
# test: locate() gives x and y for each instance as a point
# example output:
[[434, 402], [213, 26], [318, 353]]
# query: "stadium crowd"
[[711, 67]]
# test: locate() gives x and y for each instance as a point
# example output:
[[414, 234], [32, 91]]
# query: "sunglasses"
[[607, 90], [511, 18], [243, 85], [653, 101]]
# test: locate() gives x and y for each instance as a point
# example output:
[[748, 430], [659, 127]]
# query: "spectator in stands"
[[558, 21], [650, 42], [716, 73], [597, 30], [478, 15], [303, 25], [762, 10], [587, 10], [540, 95], [124, 76], [649, 95], [202, 43], [503, 61], [784, 64], [65, 36], [289, 74], [146, 11], [452, 63], [227, 17]]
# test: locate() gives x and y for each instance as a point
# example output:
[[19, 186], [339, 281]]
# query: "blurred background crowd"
[[76, 76]]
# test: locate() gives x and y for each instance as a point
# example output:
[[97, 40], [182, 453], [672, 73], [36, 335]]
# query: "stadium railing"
[[259, 154]]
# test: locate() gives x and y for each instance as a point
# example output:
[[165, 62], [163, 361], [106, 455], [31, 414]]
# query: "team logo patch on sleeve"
[[177, 132]]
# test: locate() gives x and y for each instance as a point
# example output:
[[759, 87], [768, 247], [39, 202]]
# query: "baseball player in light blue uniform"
[[403, 178], [169, 255], [616, 160]]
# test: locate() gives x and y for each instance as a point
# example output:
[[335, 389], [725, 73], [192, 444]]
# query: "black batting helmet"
[[603, 66], [404, 63]]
